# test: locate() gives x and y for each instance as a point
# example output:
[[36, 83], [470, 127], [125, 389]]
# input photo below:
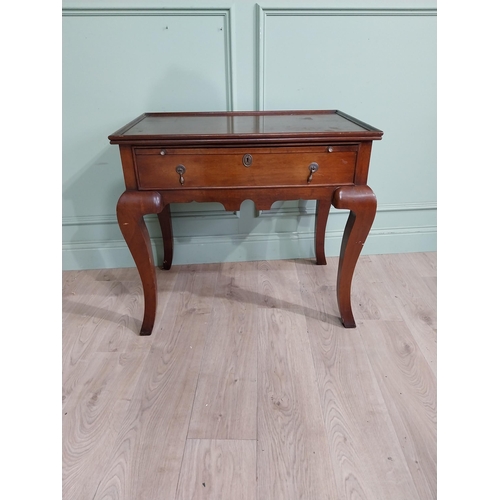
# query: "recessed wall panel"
[[116, 67], [380, 68]]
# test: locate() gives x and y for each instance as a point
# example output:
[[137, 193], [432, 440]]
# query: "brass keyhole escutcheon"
[[181, 170], [313, 167], [247, 160]]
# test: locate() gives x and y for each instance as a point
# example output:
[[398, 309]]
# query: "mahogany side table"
[[229, 157]]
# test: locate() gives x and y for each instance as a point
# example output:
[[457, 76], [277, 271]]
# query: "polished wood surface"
[[250, 386], [230, 157], [223, 127], [271, 167], [362, 204]]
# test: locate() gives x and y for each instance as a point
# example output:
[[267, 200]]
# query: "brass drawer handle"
[[313, 167], [181, 170]]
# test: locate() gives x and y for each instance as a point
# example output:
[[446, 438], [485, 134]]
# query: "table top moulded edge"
[[300, 137]]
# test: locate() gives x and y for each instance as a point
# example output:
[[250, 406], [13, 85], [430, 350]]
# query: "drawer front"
[[159, 168]]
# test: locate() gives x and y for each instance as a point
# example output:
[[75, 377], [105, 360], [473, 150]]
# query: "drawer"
[[158, 168]]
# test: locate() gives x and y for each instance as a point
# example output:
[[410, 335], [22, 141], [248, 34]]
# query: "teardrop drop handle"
[[181, 170], [313, 167]]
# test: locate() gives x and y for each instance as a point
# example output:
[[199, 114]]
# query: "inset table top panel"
[[229, 127]]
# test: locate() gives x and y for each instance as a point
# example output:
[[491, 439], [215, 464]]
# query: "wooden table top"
[[249, 126]]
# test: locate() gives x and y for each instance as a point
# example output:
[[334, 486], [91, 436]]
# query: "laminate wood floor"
[[249, 387]]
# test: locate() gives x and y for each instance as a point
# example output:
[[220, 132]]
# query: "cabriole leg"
[[322, 211], [362, 203], [130, 210], [167, 235]]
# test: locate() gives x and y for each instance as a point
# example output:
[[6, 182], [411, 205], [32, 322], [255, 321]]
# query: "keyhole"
[[247, 160]]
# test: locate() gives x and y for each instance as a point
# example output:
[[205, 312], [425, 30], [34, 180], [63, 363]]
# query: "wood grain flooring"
[[249, 387]]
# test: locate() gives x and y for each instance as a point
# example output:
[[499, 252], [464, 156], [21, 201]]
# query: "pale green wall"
[[375, 60]]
